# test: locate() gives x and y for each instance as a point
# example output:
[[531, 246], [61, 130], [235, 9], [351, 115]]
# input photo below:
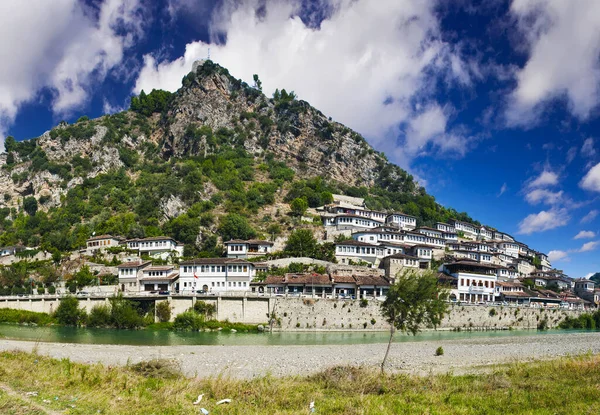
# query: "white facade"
[[445, 227], [509, 248], [129, 275], [485, 234], [378, 235], [475, 288], [156, 247], [346, 222], [159, 278], [251, 248], [356, 251], [402, 221], [469, 230], [215, 275]]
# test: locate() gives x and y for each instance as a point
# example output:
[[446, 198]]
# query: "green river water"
[[168, 338]]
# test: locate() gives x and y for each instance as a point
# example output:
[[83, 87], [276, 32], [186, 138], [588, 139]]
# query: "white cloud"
[[589, 246], [546, 178], [591, 181], [379, 61], [588, 275], [585, 235], [557, 255], [62, 45], [587, 149], [571, 154], [592, 214], [503, 189], [548, 197], [544, 220], [563, 43]]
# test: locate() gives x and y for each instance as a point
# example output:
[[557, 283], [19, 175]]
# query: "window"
[[230, 283]]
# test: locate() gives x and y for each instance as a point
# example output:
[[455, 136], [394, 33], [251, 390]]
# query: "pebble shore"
[[460, 356]]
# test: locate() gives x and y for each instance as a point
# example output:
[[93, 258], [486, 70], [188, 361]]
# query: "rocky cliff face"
[[211, 109]]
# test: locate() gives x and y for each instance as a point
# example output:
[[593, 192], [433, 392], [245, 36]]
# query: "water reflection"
[[167, 338]]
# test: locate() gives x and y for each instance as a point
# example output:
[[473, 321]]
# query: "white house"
[[476, 281], [215, 275], [238, 248], [100, 243], [402, 221], [505, 274], [355, 251], [434, 233], [468, 229], [445, 227], [350, 222], [159, 278], [130, 274], [156, 247], [379, 234], [485, 234], [10, 250], [509, 248]]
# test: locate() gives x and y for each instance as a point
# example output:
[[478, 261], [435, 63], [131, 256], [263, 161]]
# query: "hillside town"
[[480, 264]]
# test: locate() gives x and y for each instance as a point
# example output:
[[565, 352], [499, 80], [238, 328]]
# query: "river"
[[56, 334]]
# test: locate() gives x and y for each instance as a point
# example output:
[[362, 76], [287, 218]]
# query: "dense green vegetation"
[[216, 184], [584, 321], [563, 386]]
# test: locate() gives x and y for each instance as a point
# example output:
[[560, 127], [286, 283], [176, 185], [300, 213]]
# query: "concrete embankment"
[[323, 314]]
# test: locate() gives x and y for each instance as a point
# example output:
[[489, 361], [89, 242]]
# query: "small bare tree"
[[415, 300]]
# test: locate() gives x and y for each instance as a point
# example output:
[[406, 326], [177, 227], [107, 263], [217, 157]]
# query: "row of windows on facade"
[[149, 244], [237, 248], [476, 297], [407, 261], [218, 284], [359, 250], [355, 221], [403, 219], [216, 268], [476, 283], [104, 242]]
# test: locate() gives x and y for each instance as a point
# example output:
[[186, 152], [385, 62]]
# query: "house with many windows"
[[350, 222], [101, 243], [476, 282], [130, 273], [238, 248], [160, 278], [353, 251], [215, 275], [468, 229], [401, 221], [156, 247]]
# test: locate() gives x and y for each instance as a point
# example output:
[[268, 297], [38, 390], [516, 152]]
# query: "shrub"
[[188, 320], [123, 314], [163, 311], [9, 315], [157, 368], [493, 312], [69, 313], [99, 316], [205, 309], [439, 351], [364, 302], [52, 289]]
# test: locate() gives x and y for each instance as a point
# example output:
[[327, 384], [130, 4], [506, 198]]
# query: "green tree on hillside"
[[299, 206], [301, 243], [235, 226], [30, 205]]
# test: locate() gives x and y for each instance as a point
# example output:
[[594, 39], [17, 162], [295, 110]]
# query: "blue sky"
[[492, 105]]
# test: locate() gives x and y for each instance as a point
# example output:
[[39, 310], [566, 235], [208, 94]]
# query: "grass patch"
[[9, 315], [563, 386]]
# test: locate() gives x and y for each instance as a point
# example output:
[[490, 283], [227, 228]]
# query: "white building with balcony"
[[101, 243], [469, 230], [355, 252], [476, 282], [156, 247], [350, 222], [159, 278], [215, 275], [238, 248], [130, 274], [402, 221]]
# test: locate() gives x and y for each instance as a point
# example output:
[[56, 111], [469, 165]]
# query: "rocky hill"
[[180, 163]]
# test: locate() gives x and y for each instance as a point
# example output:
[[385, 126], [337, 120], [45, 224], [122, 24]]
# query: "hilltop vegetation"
[[216, 159]]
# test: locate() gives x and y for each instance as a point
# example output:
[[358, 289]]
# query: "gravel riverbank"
[[460, 356]]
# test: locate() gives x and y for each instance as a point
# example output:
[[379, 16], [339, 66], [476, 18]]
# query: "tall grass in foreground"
[[565, 386]]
